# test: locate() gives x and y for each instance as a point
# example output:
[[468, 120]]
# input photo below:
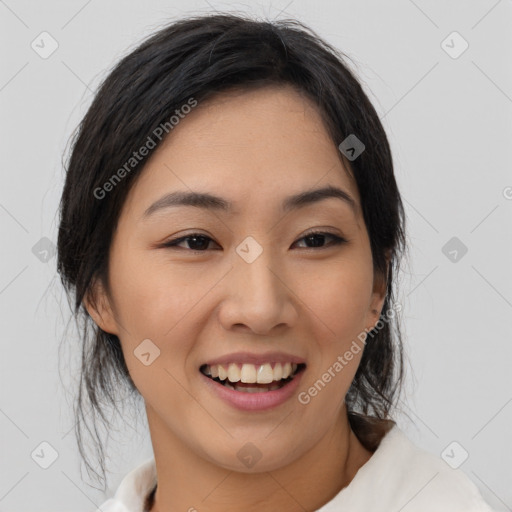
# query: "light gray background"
[[449, 125]]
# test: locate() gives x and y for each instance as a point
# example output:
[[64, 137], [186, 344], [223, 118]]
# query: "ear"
[[98, 305], [380, 284]]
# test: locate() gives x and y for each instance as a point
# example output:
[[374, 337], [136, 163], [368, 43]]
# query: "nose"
[[259, 297]]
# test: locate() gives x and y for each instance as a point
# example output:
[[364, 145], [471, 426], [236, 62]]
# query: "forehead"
[[269, 142]]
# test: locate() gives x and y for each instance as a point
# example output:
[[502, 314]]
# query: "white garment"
[[399, 476]]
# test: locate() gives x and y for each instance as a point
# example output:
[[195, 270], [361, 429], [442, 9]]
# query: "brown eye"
[[195, 241], [317, 239], [200, 242]]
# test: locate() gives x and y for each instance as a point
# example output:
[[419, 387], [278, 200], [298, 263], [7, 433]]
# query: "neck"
[[188, 482]]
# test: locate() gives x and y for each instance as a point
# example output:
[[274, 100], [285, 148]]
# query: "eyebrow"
[[212, 202]]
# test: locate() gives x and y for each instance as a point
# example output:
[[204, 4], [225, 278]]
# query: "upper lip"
[[256, 359]]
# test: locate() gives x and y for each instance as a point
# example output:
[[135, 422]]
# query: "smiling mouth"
[[248, 378]]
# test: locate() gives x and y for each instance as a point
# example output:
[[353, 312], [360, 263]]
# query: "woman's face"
[[253, 287]]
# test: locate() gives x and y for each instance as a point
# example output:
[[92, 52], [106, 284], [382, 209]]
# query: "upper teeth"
[[250, 373]]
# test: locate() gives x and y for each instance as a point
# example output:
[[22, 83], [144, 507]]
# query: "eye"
[[318, 237], [199, 242], [196, 242]]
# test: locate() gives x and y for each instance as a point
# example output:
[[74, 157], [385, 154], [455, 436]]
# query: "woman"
[[230, 227]]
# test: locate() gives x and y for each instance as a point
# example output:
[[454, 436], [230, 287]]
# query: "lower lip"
[[254, 401]]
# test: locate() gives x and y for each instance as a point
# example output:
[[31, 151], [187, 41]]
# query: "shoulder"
[[424, 479], [134, 489], [403, 476], [112, 505]]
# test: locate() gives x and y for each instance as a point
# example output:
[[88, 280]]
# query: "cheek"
[[338, 296], [156, 313], [150, 297], [158, 302]]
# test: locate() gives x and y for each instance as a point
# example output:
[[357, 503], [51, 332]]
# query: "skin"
[[309, 301]]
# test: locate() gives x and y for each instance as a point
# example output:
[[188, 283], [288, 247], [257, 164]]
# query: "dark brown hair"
[[199, 57]]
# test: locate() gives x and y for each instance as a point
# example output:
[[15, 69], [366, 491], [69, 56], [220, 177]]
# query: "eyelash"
[[337, 240]]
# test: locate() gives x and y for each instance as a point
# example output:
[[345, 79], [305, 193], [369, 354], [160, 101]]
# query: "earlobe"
[[97, 304], [380, 285], [378, 297]]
